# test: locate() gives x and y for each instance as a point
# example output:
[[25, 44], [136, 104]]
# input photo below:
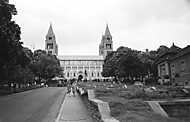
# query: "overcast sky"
[[79, 24]]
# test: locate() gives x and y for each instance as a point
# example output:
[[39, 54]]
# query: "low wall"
[[92, 108], [157, 108], [180, 108], [102, 108]]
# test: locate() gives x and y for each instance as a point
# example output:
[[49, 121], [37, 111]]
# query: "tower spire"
[[50, 31], [107, 32], [106, 44], [51, 46]]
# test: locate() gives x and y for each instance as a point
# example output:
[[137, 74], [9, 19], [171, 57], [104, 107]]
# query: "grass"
[[129, 104], [132, 109]]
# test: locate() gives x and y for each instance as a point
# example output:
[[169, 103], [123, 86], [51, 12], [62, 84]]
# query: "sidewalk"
[[73, 110]]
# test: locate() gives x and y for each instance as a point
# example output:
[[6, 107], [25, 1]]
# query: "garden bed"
[[129, 103], [130, 108]]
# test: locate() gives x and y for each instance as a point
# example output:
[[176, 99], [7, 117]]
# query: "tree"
[[45, 66], [109, 65], [17, 63], [130, 66], [127, 63], [10, 48], [21, 75]]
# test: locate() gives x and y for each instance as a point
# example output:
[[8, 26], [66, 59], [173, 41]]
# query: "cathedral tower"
[[106, 44], [50, 42]]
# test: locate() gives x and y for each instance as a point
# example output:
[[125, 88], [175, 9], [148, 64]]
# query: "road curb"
[[61, 109]]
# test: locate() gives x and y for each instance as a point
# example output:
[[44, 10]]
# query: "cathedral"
[[86, 67]]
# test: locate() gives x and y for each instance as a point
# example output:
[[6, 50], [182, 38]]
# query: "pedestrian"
[[74, 88], [68, 88]]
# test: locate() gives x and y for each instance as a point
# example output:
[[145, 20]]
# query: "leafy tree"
[[109, 65], [17, 63], [128, 63], [45, 66], [22, 75], [130, 66], [10, 48]]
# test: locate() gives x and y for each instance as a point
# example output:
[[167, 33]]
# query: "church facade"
[[86, 67]]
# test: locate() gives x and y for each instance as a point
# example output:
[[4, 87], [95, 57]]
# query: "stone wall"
[[99, 110]]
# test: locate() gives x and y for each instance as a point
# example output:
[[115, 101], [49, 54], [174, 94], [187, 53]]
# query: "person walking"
[[74, 88], [69, 88]]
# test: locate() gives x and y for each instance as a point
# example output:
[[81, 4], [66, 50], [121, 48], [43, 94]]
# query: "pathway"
[[73, 110]]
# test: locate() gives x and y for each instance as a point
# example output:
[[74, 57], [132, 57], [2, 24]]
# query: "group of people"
[[71, 88]]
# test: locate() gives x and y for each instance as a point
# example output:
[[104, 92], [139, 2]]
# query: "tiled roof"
[[80, 57]]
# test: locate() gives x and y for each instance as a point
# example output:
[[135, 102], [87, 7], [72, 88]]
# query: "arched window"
[[92, 74], [86, 74], [98, 74], [74, 74], [67, 74]]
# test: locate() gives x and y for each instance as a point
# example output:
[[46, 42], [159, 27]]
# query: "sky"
[[79, 24]]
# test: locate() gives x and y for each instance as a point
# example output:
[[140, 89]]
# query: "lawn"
[[129, 104]]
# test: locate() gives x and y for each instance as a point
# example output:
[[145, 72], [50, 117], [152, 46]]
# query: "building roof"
[[183, 52], [107, 32], [174, 53], [80, 57], [174, 49], [50, 31]]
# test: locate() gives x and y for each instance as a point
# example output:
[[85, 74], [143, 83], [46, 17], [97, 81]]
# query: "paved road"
[[39, 105]]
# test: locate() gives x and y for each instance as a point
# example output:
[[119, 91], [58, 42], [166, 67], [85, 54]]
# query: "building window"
[[69, 62], [92, 68], [108, 46], [74, 68], [98, 74], [67, 74], [86, 68], [92, 74], [68, 68], [98, 68], [49, 52], [86, 74], [182, 66], [50, 46], [80, 68], [74, 74], [50, 38]]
